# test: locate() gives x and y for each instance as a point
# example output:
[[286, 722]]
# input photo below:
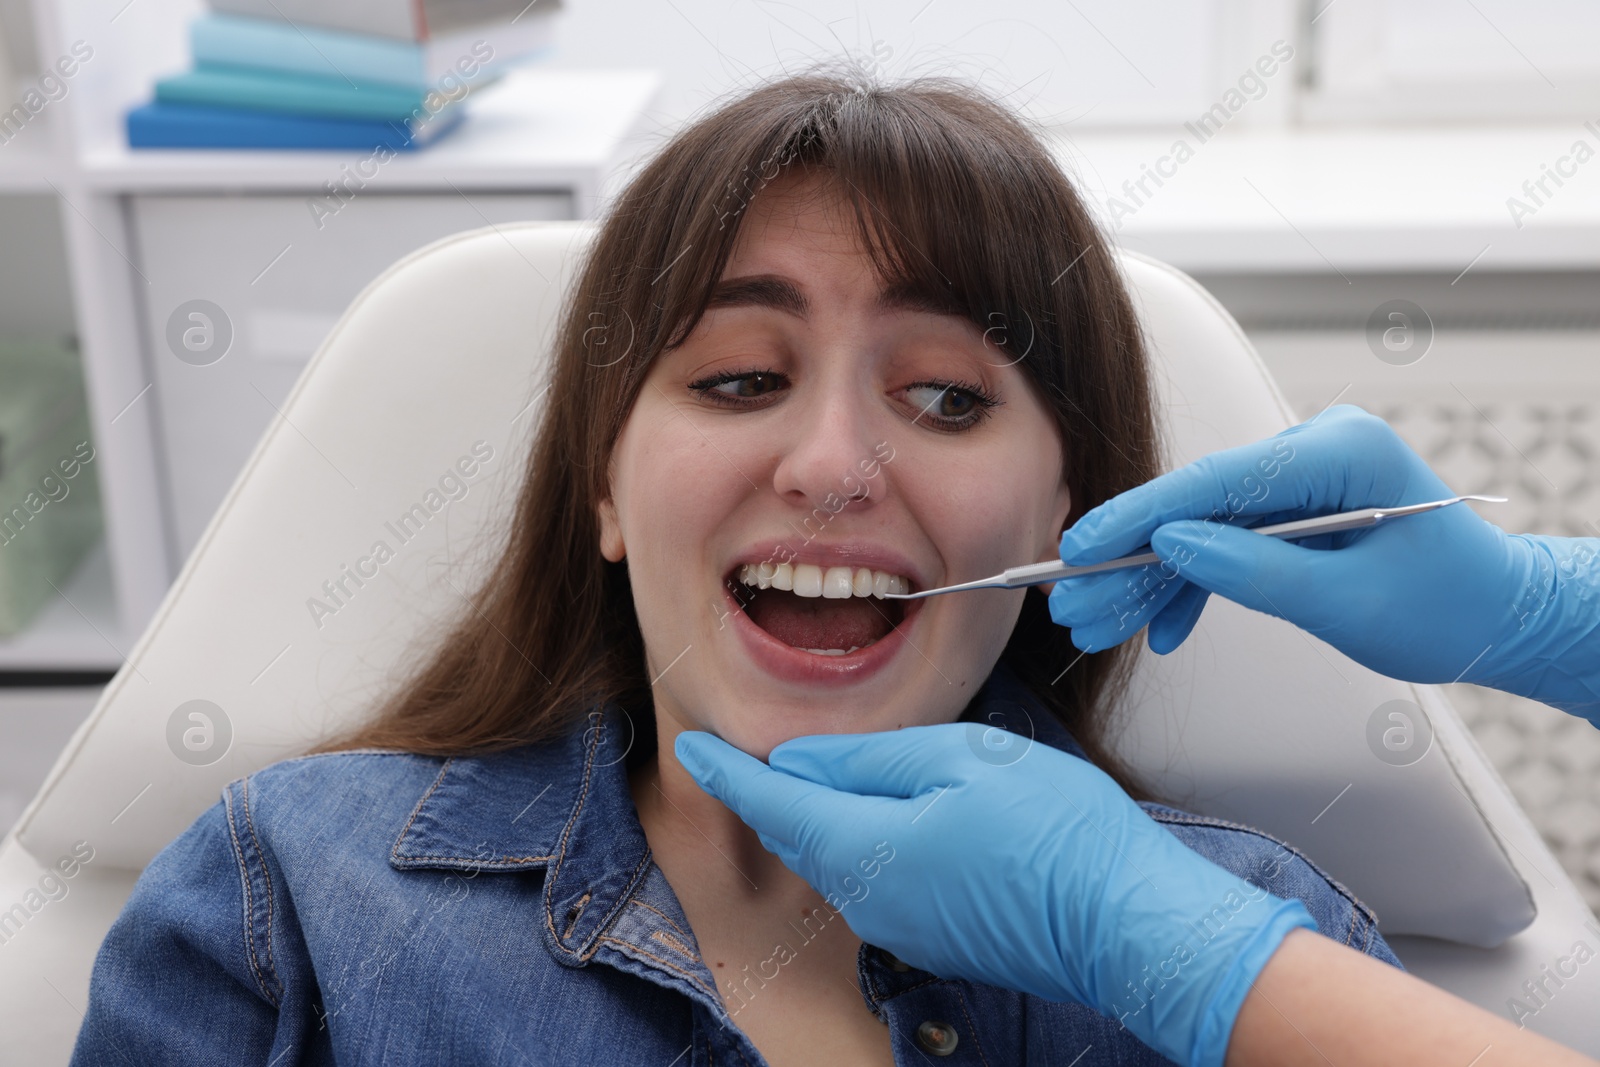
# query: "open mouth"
[[827, 611]]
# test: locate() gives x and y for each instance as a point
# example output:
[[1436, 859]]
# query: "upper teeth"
[[835, 583]]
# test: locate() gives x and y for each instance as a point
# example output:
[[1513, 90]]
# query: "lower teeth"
[[832, 651]]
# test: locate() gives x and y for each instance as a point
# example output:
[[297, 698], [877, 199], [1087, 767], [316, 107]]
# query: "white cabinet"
[[143, 232], [243, 289]]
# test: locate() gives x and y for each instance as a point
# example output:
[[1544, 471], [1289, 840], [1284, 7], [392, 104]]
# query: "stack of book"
[[361, 74]]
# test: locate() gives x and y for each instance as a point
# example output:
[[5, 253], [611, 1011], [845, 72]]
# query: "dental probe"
[[1038, 573]]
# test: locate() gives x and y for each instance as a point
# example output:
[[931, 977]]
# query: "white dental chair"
[[1251, 720]]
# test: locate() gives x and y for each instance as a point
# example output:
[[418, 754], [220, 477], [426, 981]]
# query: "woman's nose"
[[832, 457]]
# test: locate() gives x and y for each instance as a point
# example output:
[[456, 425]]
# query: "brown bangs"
[[948, 216]]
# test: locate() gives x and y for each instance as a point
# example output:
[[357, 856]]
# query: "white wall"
[[1079, 62]]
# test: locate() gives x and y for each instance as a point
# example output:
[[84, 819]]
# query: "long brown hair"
[[956, 199]]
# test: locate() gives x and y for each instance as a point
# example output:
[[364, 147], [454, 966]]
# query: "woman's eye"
[[750, 385], [947, 405], [947, 401], [738, 386]]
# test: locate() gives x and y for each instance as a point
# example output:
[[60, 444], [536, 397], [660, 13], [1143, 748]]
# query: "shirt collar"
[[504, 811], [562, 805]]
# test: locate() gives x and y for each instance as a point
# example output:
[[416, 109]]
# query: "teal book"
[[296, 94], [443, 62]]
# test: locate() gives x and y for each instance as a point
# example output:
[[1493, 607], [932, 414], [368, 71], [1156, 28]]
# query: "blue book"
[[160, 125], [445, 63]]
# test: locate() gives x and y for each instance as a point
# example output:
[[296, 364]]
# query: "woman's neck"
[[742, 903]]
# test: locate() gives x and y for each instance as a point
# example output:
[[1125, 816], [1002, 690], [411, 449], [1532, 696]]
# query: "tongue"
[[818, 622]]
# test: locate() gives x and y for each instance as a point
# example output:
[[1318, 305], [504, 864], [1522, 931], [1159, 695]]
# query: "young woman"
[[834, 341]]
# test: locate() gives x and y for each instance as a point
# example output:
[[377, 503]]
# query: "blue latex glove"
[[1438, 597], [1040, 875]]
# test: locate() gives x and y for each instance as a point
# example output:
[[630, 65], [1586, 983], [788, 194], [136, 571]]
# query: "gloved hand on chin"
[[1039, 875]]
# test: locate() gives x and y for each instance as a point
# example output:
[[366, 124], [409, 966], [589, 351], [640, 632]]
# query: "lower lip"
[[807, 668]]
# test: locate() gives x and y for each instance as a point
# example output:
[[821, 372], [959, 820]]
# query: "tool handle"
[[1055, 570], [1348, 520], [1035, 573]]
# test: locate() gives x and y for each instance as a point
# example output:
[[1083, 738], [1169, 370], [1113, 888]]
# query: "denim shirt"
[[382, 908]]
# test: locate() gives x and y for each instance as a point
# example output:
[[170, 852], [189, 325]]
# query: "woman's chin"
[[759, 738]]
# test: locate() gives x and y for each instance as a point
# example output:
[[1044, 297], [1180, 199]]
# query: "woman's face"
[[838, 438]]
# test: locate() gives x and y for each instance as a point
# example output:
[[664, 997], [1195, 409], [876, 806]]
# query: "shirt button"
[[936, 1037], [895, 963]]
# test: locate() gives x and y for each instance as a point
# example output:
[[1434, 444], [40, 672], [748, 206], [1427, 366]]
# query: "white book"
[[401, 20]]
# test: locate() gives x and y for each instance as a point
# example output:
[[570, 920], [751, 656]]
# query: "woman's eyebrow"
[[760, 290]]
